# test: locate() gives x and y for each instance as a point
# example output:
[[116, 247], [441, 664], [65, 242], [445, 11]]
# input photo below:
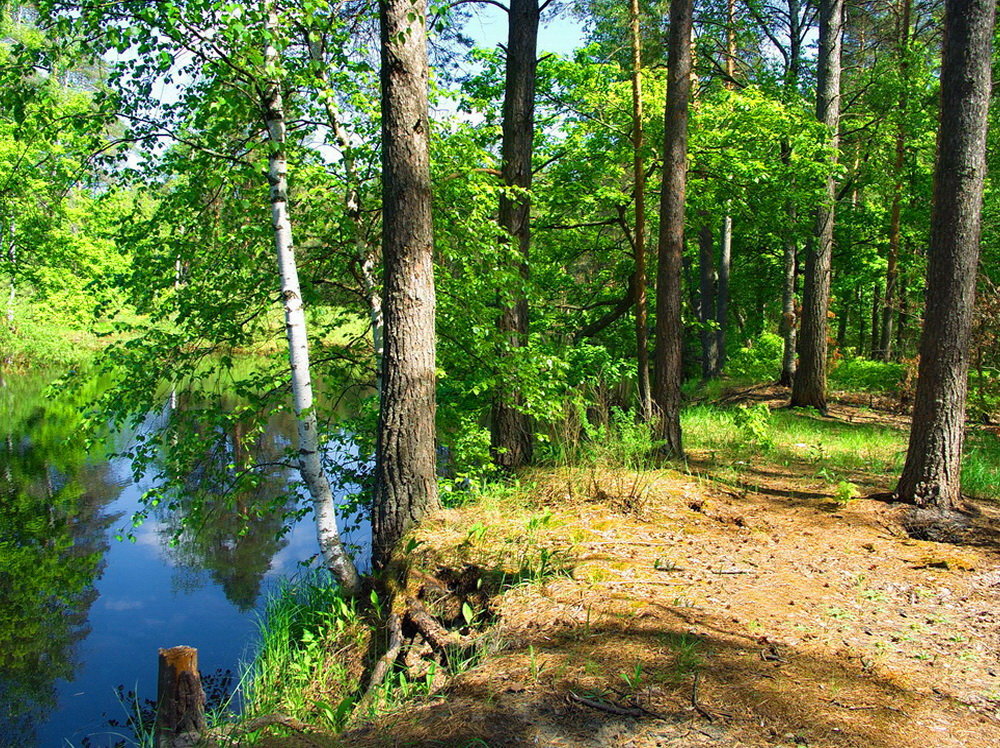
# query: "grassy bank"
[[600, 598]]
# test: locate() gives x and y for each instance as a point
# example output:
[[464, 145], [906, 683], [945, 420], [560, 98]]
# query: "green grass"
[[832, 448], [301, 665]]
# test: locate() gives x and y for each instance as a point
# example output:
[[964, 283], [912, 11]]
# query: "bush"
[[759, 361], [862, 375]]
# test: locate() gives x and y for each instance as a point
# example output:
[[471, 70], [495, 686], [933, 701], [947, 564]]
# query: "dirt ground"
[[666, 610]]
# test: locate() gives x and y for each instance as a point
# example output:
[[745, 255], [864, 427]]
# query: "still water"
[[83, 614]]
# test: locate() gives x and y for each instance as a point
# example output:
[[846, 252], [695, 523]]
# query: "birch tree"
[[317, 483]]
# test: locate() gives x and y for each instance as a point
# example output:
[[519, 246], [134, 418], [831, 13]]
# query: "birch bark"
[[310, 465]]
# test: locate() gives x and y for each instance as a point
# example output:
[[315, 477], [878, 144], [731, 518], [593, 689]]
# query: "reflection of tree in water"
[[230, 518], [53, 537]]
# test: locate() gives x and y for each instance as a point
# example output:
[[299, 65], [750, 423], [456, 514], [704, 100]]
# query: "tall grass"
[[307, 665]]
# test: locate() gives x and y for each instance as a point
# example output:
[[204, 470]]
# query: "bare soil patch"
[[677, 611]]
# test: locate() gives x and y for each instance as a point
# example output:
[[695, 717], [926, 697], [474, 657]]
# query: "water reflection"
[[82, 613], [53, 538]]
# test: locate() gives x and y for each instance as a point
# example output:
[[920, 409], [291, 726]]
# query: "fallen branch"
[[436, 635], [604, 706]]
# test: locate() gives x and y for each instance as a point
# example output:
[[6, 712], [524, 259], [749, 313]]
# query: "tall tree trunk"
[[809, 387], [670, 247], [405, 480], [310, 464], [789, 322], [903, 310], [788, 316], [510, 436], [932, 475], [706, 307], [876, 318], [639, 177], [722, 294], [889, 305], [726, 237]]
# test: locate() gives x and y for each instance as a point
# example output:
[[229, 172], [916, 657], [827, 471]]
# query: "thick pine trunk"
[[405, 480], [931, 475], [310, 464], [511, 437], [809, 386], [645, 396], [670, 247]]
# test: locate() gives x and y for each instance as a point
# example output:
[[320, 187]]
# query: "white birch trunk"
[[310, 465]]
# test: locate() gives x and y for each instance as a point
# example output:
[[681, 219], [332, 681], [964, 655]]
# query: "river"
[[82, 613]]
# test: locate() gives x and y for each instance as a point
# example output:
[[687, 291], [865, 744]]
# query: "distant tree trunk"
[[706, 306], [511, 438], [405, 480], [310, 464], [932, 475], [722, 294], [639, 178], [876, 317], [670, 247], [842, 315], [809, 387], [903, 310], [726, 237], [788, 321], [889, 305]]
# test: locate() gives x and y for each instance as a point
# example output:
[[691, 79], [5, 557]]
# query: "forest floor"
[[668, 608]]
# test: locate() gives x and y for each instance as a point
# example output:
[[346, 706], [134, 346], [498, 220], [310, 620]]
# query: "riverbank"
[[753, 598]]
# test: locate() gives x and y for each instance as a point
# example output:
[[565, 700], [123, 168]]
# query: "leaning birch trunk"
[[310, 465]]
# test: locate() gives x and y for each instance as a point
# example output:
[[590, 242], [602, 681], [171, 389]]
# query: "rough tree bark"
[[931, 475], [405, 481], [670, 247], [639, 178], [510, 435], [809, 387], [310, 464]]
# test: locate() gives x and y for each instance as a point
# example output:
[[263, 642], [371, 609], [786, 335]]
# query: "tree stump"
[[180, 700]]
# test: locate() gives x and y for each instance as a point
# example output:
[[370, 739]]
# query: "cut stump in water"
[[180, 700]]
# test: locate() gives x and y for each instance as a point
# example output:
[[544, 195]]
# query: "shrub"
[[860, 374], [758, 361]]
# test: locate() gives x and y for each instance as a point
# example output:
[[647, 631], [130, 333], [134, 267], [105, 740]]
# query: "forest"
[[634, 366]]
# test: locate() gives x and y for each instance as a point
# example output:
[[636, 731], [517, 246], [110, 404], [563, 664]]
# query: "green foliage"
[[754, 423], [293, 671], [862, 375], [758, 361]]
